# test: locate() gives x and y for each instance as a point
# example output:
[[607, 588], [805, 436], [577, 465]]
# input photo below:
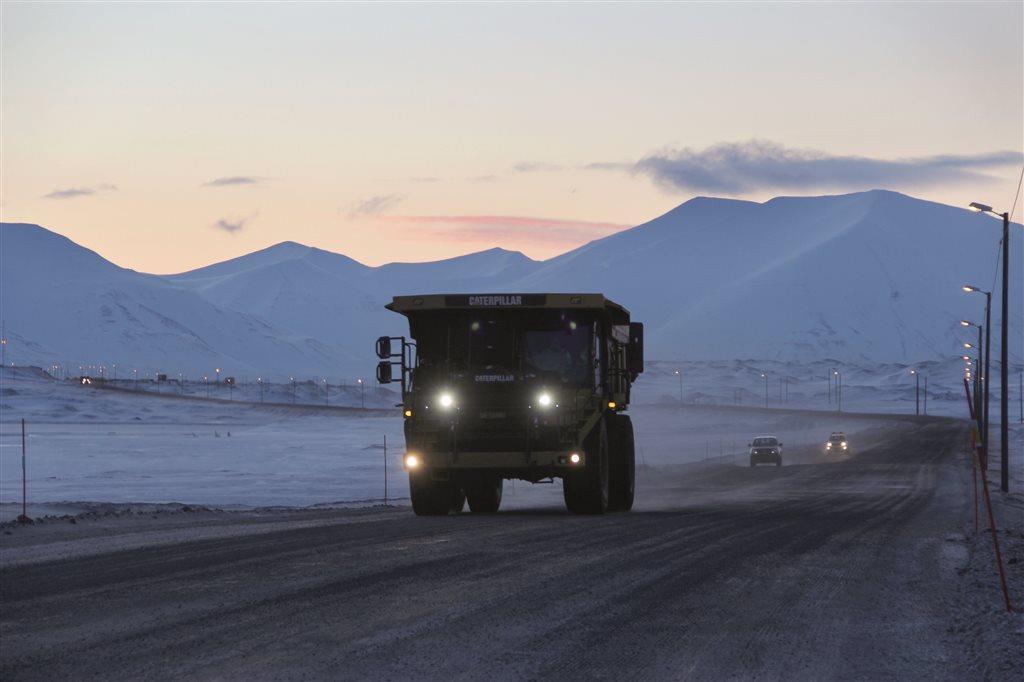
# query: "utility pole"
[[916, 391], [1004, 374], [1004, 370], [830, 386], [764, 375], [926, 394], [839, 391], [680, 375]]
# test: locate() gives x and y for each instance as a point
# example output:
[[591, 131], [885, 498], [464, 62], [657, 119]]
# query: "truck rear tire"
[[622, 463], [586, 490], [434, 498], [484, 494]]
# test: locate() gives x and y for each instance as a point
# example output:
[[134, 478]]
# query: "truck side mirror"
[[384, 372], [780, 443], [384, 348], [636, 348]]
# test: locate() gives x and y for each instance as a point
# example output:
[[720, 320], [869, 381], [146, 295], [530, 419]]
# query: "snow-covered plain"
[[100, 445]]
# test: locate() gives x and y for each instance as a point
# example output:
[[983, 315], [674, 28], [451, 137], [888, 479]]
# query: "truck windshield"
[[549, 345], [562, 354], [763, 442]]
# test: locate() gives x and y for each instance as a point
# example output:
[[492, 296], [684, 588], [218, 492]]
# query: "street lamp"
[[362, 398], [1004, 357], [839, 390], [680, 375], [917, 391], [977, 378], [259, 380], [984, 379]]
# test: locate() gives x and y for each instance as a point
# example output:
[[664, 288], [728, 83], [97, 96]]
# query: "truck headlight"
[[574, 458], [446, 400], [412, 461], [544, 399]]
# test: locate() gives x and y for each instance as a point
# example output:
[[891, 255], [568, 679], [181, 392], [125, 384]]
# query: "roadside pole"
[[385, 469], [24, 486], [991, 516]]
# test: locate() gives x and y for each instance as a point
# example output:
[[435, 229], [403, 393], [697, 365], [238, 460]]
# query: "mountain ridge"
[[869, 276]]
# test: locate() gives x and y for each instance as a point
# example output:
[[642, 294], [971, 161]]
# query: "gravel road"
[[823, 570]]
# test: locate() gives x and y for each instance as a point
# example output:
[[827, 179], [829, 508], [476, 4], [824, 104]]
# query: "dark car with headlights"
[[515, 386], [765, 450], [837, 444]]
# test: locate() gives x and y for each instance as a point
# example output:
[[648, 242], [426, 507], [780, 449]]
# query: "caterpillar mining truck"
[[515, 386]]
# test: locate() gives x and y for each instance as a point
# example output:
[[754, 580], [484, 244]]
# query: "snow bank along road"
[[841, 569]]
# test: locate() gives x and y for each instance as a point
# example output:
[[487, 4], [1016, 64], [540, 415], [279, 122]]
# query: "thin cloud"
[[535, 166], [503, 228], [231, 226], [736, 168], [235, 180], [484, 178], [73, 192], [374, 205]]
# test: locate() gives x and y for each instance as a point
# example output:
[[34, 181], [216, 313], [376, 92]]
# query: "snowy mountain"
[[65, 304], [871, 276]]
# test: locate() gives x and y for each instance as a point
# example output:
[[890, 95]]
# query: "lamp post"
[[362, 398], [327, 395], [259, 381], [985, 370], [917, 391], [839, 390], [764, 375], [206, 380], [680, 375], [977, 372], [1004, 355]]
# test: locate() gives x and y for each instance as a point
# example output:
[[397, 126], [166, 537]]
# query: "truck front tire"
[[484, 494], [622, 463], [586, 490], [434, 498]]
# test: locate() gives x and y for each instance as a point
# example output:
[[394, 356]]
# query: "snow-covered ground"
[[91, 444]]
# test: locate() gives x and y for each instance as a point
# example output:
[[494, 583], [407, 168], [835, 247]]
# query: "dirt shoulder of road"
[[104, 528], [993, 637]]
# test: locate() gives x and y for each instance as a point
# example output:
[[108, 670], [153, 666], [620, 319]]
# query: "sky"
[[170, 136]]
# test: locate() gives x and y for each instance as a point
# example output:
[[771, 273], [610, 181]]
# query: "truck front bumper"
[[542, 459]]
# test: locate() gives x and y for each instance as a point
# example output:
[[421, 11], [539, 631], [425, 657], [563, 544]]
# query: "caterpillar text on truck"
[[515, 386]]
